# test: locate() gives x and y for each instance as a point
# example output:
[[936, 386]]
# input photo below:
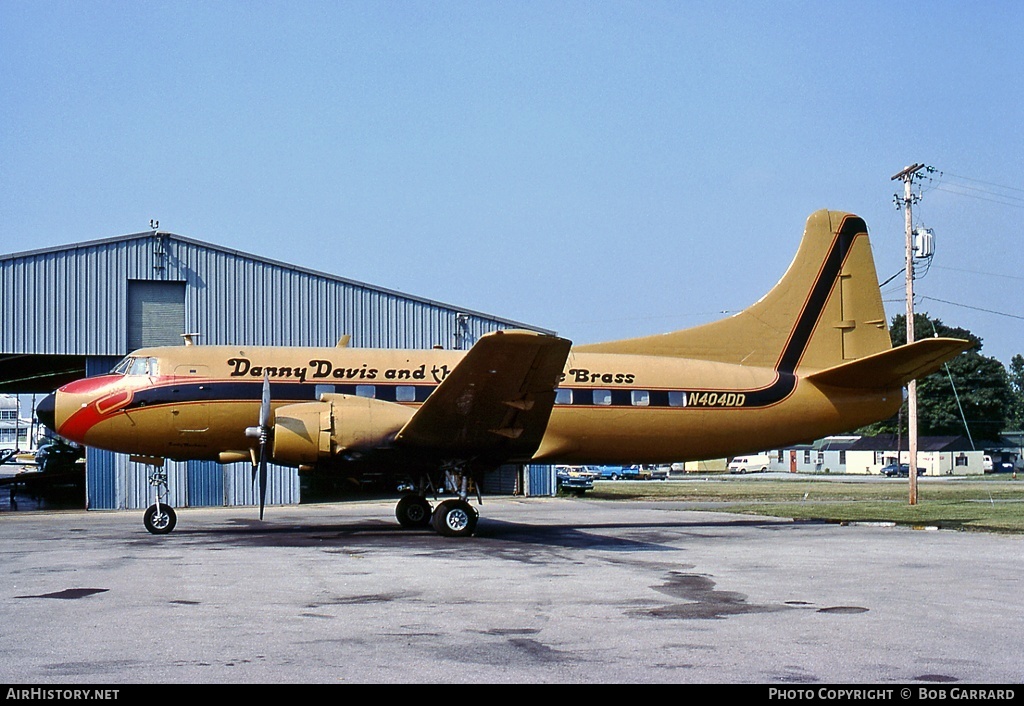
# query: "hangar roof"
[[116, 240]]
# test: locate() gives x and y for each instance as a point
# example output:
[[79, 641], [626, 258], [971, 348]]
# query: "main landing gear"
[[454, 517]]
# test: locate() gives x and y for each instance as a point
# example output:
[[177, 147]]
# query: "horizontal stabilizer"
[[895, 367]]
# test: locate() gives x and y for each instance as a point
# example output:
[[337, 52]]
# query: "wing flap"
[[895, 367], [496, 402]]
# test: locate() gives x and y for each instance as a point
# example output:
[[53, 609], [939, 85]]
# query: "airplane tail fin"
[[825, 311]]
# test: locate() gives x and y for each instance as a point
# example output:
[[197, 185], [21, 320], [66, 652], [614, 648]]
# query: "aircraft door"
[[189, 413]]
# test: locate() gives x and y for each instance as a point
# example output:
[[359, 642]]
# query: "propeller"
[[262, 434]]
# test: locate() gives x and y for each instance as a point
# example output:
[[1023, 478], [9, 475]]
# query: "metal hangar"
[[76, 310]]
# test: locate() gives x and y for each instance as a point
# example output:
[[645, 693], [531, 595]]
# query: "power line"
[[999, 200], [996, 193], [979, 181], [976, 308], [974, 272]]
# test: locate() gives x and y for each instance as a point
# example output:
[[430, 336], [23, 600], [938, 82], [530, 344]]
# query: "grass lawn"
[[989, 503]]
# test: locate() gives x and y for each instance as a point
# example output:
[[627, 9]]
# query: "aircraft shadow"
[[491, 535]]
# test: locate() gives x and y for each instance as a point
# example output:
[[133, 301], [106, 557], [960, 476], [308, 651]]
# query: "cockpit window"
[[137, 366]]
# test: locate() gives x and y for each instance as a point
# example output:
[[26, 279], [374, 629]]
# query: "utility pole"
[[907, 177]]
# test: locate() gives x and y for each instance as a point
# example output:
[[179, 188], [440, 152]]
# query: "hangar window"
[[641, 398], [405, 393], [676, 398], [366, 391], [563, 396], [603, 397]]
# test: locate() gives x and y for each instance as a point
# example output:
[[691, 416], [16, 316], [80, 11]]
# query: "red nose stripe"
[[78, 424], [89, 385]]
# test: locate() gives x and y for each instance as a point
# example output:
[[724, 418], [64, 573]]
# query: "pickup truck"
[[625, 473]]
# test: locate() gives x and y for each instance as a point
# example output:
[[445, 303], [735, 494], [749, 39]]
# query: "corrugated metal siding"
[[501, 481], [100, 480], [74, 301], [205, 484], [282, 485], [542, 480]]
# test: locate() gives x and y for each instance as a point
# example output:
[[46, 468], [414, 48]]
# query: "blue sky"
[[603, 169]]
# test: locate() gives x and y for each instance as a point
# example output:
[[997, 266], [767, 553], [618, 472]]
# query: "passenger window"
[[641, 398], [405, 393], [676, 398], [366, 391], [322, 390], [563, 396], [603, 397]]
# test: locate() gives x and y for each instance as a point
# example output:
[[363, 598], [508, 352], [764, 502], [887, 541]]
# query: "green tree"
[[1016, 415], [971, 387]]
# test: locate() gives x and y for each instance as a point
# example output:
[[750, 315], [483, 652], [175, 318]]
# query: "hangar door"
[[156, 313]]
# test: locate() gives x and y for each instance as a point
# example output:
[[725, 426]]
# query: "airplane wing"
[[895, 367], [496, 402]]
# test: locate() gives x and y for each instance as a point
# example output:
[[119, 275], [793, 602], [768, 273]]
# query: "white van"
[[749, 464]]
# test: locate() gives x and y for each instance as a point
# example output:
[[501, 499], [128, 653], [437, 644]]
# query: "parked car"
[[59, 456], [749, 464], [899, 471], [660, 472], [573, 480]]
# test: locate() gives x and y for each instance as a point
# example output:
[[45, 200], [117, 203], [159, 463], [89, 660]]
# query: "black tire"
[[454, 518], [162, 522], [413, 511]]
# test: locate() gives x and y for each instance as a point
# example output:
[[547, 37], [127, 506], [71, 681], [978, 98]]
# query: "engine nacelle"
[[309, 432]]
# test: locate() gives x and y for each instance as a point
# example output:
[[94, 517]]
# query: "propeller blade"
[[265, 402], [263, 478], [264, 433]]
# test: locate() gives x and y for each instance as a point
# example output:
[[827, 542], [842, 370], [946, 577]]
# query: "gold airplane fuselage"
[[195, 402]]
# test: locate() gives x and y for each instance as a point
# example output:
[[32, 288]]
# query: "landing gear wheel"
[[413, 511], [454, 518], [159, 519]]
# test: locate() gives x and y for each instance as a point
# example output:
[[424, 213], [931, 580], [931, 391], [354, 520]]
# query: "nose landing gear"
[[159, 517]]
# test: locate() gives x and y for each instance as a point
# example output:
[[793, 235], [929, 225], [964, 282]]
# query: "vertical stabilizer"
[[826, 310]]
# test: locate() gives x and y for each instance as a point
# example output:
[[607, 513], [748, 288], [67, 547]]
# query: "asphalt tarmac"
[[551, 590]]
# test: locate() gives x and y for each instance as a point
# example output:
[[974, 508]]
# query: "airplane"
[[811, 358]]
